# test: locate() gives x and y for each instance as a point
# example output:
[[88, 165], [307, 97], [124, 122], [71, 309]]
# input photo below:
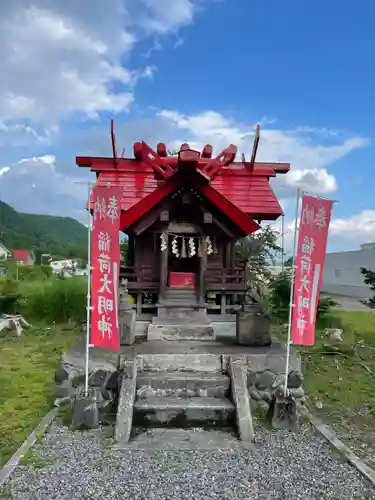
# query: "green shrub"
[[53, 300], [59, 300], [10, 296], [279, 298], [28, 273]]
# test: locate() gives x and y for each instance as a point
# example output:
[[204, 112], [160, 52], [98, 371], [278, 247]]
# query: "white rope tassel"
[[192, 250], [209, 248], [163, 244], [175, 247]]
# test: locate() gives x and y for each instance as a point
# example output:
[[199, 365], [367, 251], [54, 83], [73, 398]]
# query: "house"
[[342, 272], [66, 264], [183, 216], [24, 257], [5, 254]]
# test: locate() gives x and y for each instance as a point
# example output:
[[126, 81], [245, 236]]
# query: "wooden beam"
[[220, 224], [146, 222], [113, 140], [105, 164], [129, 217], [243, 221], [255, 145]]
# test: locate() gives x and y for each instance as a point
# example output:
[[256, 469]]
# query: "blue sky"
[[195, 70]]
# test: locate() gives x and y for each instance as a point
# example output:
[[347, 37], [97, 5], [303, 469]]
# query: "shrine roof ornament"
[[165, 165], [239, 189]]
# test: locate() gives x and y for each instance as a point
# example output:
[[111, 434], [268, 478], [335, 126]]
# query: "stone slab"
[[181, 314], [182, 412], [214, 355], [127, 326], [238, 374], [163, 439], [124, 417], [213, 384], [180, 332], [180, 362]]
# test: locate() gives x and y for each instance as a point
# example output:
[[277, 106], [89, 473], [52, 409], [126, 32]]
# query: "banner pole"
[[88, 305], [282, 243], [291, 305]]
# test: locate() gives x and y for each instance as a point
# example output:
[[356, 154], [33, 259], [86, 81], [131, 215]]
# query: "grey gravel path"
[[281, 465]]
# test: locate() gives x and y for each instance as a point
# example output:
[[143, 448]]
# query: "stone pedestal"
[[127, 317], [176, 322], [127, 326], [253, 328]]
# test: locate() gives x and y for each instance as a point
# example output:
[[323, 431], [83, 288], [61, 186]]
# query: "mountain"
[[62, 236]]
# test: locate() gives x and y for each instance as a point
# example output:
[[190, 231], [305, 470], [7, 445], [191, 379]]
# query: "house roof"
[[21, 255], [5, 248]]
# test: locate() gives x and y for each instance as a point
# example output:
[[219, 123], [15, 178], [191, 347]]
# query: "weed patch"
[[27, 367]]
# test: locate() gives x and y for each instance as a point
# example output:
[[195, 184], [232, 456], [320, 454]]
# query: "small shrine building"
[[183, 214]]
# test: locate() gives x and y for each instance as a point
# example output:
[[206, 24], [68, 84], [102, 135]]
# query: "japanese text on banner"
[[311, 249], [106, 264]]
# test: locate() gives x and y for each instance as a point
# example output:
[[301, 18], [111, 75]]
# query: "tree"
[[369, 278], [288, 262], [279, 297], [257, 252]]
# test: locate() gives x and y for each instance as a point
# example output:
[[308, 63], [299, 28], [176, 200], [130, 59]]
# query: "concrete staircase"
[[182, 399], [180, 317], [180, 297], [184, 391]]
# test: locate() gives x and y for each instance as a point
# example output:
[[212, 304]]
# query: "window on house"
[[337, 273]]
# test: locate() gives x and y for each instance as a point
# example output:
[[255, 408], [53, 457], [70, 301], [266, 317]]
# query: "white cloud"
[[315, 180], [308, 157], [59, 58], [344, 233], [358, 228], [37, 185]]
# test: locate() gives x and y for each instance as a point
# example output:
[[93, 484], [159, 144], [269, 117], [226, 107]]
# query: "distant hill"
[[58, 235]]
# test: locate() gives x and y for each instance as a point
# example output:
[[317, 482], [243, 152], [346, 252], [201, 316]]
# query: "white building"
[[342, 272], [5, 254]]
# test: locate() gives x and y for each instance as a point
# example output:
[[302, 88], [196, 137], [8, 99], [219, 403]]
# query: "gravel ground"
[[280, 465]]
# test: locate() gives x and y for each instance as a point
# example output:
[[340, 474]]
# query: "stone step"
[[191, 439], [198, 362], [169, 330], [181, 316], [173, 411], [182, 303], [185, 384]]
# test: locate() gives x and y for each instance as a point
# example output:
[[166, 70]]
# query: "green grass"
[[343, 382], [27, 367]]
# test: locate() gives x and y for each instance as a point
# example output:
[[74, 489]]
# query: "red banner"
[[105, 252], [310, 257]]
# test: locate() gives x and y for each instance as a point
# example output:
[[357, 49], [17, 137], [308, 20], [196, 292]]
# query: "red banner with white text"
[[310, 257], [105, 253]]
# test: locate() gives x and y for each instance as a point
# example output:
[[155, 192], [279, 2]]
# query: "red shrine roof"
[[250, 193], [239, 189]]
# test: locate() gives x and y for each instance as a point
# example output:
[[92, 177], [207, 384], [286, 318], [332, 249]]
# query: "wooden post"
[[228, 265], [228, 255], [163, 270], [131, 250], [223, 303], [202, 272], [139, 304]]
